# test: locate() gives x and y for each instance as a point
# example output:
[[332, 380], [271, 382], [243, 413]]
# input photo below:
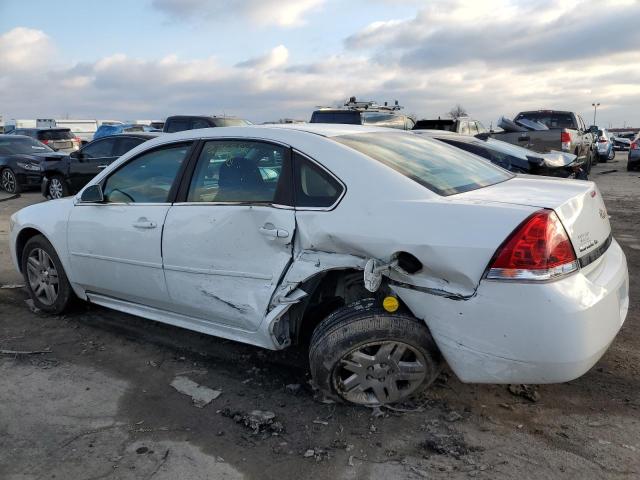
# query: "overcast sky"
[[271, 59]]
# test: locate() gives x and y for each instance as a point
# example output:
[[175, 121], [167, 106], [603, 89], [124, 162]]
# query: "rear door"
[[228, 240]]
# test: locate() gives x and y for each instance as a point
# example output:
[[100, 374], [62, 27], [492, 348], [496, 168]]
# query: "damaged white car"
[[386, 252]]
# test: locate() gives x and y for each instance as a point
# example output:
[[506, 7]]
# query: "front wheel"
[[57, 187], [44, 276], [9, 182], [364, 355]]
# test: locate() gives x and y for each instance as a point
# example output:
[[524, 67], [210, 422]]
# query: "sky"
[[265, 60]]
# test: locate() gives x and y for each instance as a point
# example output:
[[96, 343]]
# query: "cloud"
[[283, 13], [522, 58], [274, 59], [502, 32], [24, 48]]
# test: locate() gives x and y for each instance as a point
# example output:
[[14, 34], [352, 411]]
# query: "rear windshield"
[[231, 122], [17, 145], [441, 168], [55, 135], [550, 119], [346, 117]]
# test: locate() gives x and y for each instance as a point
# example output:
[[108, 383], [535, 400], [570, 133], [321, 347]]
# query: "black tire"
[[9, 181], [364, 328], [57, 187], [63, 293]]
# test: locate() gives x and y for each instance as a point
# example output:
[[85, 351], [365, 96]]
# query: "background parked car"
[[106, 130], [58, 139], [546, 130], [633, 160], [21, 160], [364, 113], [462, 125], [179, 123], [68, 176], [513, 158], [622, 141], [604, 145]]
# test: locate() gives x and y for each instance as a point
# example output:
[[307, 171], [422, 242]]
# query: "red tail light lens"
[[634, 146], [603, 140], [539, 249], [565, 137]]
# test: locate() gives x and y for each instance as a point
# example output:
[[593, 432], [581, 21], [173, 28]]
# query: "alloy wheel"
[[55, 188], [380, 372], [8, 181], [43, 276]]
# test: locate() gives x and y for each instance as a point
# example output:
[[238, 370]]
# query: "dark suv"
[[179, 123], [69, 175], [58, 139], [364, 113]]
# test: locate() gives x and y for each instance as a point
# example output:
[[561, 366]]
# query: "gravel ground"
[[100, 403]]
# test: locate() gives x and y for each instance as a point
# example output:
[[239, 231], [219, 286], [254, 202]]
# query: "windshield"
[[550, 119], [349, 117], [231, 122], [441, 168], [17, 145], [55, 135]]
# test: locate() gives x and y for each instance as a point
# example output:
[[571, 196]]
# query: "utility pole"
[[595, 109]]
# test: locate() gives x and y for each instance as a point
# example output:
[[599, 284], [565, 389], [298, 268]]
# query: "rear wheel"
[[9, 182], [612, 154], [44, 276], [364, 355], [57, 187]]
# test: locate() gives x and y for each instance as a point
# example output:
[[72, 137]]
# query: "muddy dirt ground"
[[100, 404]]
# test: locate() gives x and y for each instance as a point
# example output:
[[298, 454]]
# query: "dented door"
[[223, 262]]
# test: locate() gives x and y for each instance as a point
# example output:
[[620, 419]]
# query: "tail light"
[[77, 140], [565, 139], [45, 141], [539, 249], [634, 146], [602, 140]]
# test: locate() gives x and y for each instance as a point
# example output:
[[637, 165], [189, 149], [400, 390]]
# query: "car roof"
[[11, 136], [54, 129]]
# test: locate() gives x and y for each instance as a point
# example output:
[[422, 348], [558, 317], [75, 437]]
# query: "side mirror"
[[92, 194], [76, 154]]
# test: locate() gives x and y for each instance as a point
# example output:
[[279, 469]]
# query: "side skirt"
[[257, 338]]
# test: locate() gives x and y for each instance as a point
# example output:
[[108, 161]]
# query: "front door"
[[227, 244], [87, 162], [115, 246]]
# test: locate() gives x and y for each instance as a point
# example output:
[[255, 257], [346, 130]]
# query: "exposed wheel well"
[[21, 241], [328, 292]]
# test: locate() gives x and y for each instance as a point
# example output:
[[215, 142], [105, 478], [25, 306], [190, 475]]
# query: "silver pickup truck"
[[548, 130]]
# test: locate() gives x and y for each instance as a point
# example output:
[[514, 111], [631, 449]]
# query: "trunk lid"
[[578, 204]]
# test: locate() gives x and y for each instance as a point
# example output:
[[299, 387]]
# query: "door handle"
[[144, 223], [273, 232], [102, 166]]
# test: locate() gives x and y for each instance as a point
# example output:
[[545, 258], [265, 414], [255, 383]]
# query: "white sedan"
[[386, 252]]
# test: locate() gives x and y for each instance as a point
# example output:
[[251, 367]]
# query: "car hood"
[[41, 157], [554, 159]]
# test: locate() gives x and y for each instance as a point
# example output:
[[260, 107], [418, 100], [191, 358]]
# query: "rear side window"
[[230, 122], [314, 187], [99, 148], [441, 168], [147, 178], [125, 144]]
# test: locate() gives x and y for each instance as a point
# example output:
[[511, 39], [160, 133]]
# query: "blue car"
[[106, 130]]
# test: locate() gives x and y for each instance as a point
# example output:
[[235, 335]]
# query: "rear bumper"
[[530, 333]]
